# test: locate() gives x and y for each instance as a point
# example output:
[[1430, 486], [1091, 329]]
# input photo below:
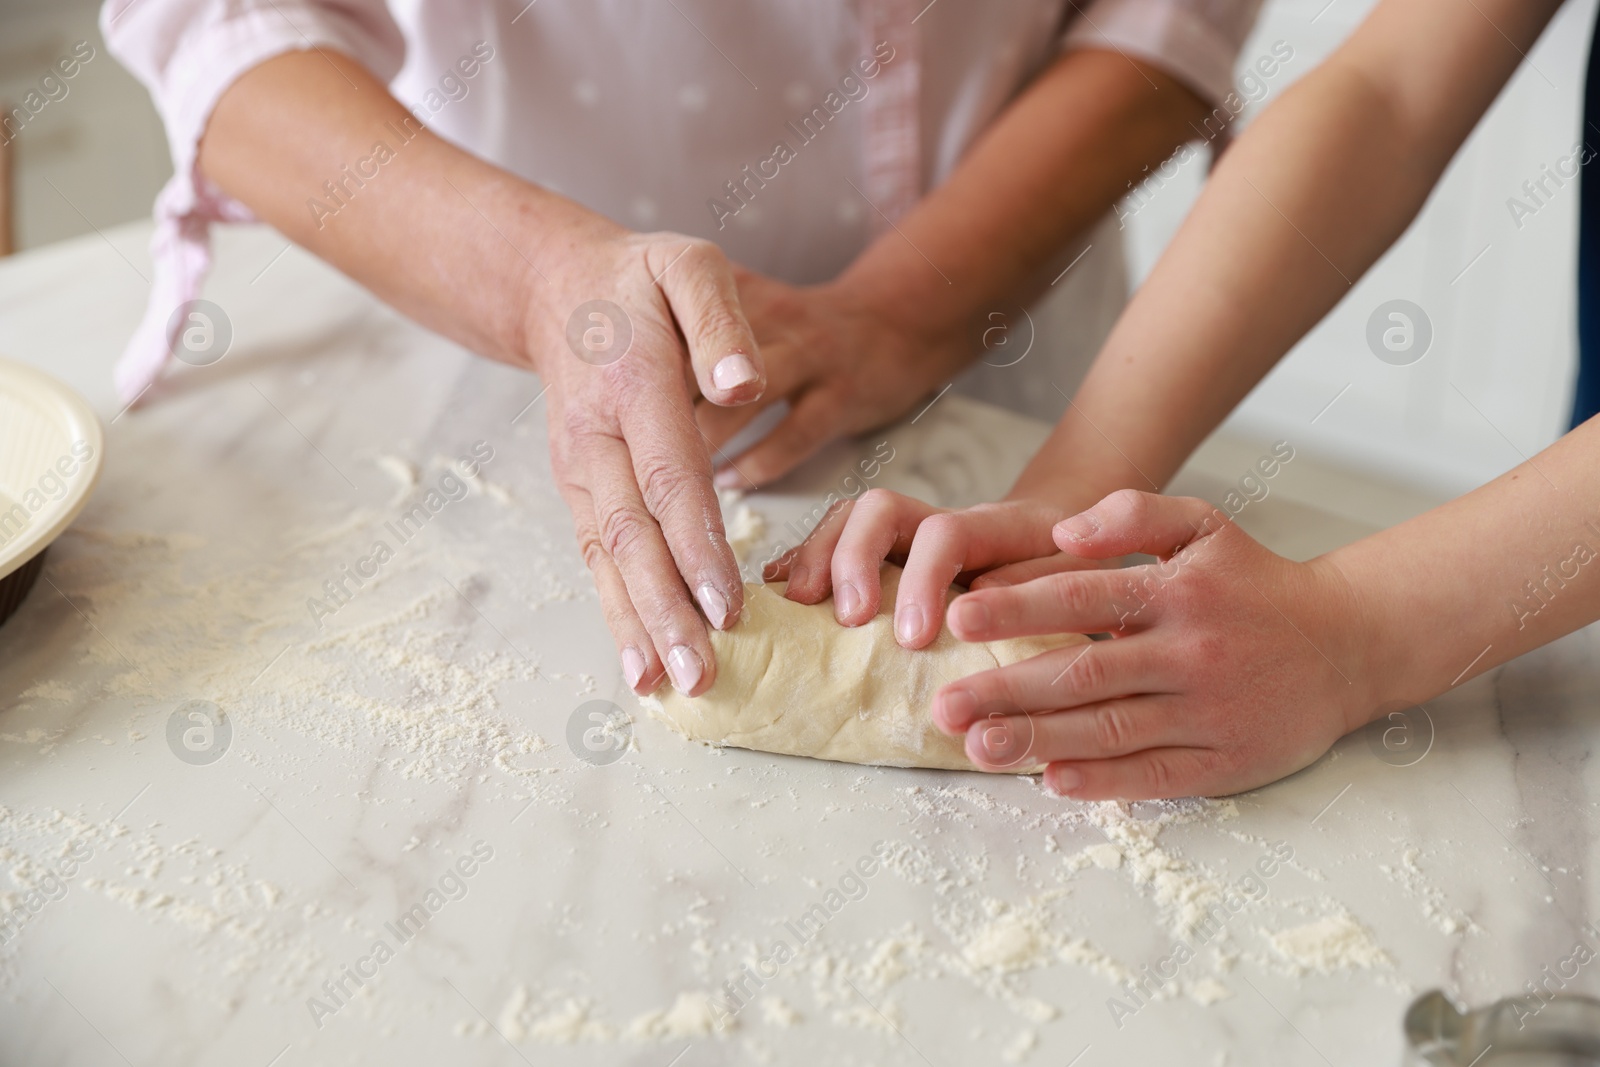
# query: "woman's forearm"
[[1050, 167], [315, 145], [1305, 201]]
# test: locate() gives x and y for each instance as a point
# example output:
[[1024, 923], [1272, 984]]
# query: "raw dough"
[[792, 680]]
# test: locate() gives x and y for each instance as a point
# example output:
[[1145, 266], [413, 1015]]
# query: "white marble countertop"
[[196, 908]]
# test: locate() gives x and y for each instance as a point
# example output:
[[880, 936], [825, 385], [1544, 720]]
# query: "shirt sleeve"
[[1196, 41], [188, 53]]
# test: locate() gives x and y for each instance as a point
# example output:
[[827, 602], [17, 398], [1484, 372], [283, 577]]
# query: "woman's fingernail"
[[632, 666], [714, 604], [797, 577], [957, 709], [973, 616], [685, 667], [733, 371], [727, 478], [846, 600], [1063, 781], [908, 623], [1080, 527]]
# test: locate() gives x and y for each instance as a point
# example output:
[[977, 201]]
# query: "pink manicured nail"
[[714, 604], [685, 667], [727, 478], [733, 371], [632, 666]]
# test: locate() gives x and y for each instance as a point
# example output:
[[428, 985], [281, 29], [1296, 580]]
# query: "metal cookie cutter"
[[1563, 1031]]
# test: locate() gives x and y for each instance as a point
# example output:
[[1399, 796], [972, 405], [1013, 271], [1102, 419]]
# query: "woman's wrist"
[[933, 319], [566, 257], [900, 285]]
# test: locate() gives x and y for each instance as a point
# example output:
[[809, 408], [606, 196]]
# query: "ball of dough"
[[790, 679]]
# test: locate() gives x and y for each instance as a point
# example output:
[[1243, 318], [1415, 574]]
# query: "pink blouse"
[[789, 131]]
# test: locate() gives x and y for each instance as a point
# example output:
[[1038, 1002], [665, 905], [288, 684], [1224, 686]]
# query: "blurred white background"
[[97, 156], [1494, 386]]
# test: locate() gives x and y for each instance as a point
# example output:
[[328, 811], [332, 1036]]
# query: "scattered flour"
[[410, 679], [395, 681], [745, 527], [556, 1019], [745, 531], [1020, 1047], [1208, 991], [401, 471], [511, 1015], [1106, 857], [775, 1011], [50, 689], [1012, 942], [885, 1017], [1409, 875], [569, 1022], [1334, 943], [691, 1015]]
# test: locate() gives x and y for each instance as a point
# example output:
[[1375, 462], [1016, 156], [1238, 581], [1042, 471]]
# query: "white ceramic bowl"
[[51, 448]]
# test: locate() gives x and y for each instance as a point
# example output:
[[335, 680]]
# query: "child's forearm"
[[1498, 572], [1299, 208]]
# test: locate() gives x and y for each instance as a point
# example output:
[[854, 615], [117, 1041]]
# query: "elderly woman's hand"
[[622, 327], [621, 336], [843, 357]]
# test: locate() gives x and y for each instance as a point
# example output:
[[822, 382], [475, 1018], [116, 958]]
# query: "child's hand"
[[1230, 666], [845, 553]]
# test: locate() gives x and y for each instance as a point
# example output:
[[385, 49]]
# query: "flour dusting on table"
[[423, 681]]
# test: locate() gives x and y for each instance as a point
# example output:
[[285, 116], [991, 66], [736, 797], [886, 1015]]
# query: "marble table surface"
[[237, 830]]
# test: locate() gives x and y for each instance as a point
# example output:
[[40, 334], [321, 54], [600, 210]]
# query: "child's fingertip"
[[1062, 781], [1079, 528]]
